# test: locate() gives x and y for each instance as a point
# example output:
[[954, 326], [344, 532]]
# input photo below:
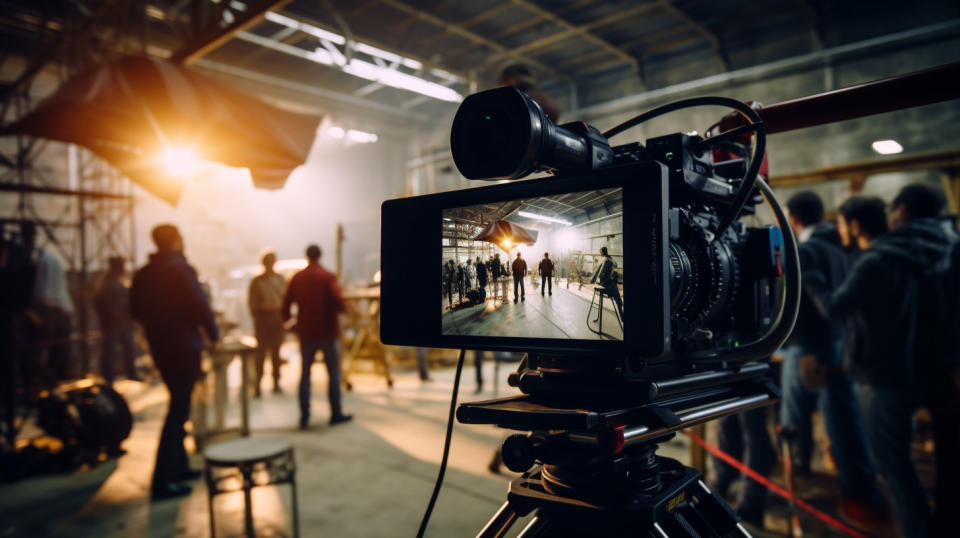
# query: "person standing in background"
[[317, 295], [519, 271], [470, 275], [112, 303], [482, 278], [521, 77], [812, 375], [546, 273], [167, 299], [888, 300], [265, 297]]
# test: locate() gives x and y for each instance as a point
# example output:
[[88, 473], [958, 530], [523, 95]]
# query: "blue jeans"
[[841, 419], [331, 357], [888, 422]]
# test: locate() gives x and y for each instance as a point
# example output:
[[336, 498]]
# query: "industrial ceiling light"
[[542, 217], [386, 75], [887, 147]]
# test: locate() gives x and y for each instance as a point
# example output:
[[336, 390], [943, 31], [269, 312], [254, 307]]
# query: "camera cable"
[[446, 447], [756, 160]]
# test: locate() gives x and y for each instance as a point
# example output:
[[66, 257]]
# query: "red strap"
[[765, 482]]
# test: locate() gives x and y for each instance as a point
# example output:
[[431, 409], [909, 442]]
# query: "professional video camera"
[[705, 301]]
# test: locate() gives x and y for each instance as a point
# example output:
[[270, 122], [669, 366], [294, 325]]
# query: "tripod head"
[[589, 457]]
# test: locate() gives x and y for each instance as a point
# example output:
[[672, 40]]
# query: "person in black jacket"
[[607, 278], [482, 278], [167, 299], [812, 374], [884, 300], [546, 274]]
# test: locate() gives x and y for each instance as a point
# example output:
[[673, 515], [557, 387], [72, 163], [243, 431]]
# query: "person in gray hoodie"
[[890, 301]]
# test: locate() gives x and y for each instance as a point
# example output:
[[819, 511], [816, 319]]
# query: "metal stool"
[[243, 464], [598, 295]]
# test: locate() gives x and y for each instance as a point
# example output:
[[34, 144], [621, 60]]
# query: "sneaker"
[[340, 419], [304, 423]]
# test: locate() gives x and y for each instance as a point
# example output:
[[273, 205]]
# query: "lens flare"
[[181, 162]]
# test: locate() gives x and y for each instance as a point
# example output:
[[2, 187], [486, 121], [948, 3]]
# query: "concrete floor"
[[561, 315], [371, 477]]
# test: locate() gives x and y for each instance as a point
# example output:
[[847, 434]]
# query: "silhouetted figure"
[[166, 298], [546, 274], [449, 279], [265, 297], [519, 270], [607, 277], [317, 296], [481, 275], [112, 303]]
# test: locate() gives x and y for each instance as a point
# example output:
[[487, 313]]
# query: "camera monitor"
[[502, 261], [560, 263]]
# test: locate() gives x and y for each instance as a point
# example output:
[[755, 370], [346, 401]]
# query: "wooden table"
[[215, 363], [360, 334]]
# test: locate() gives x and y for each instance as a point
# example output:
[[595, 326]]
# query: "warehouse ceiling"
[[413, 60]]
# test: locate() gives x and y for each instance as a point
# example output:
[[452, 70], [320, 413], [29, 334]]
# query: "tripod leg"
[[538, 526], [500, 523]]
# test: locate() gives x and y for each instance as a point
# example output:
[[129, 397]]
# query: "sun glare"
[[181, 162]]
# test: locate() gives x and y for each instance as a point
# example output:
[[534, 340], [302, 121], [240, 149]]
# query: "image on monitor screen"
[[545, 267]]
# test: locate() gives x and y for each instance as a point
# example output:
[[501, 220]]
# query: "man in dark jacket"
[[167, 299], [546, 273], [519, 270], [449, 279], [883, 301], [482, 278], [812, 375]]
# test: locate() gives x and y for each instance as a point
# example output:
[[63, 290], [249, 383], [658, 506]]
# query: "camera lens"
[[492, 133]]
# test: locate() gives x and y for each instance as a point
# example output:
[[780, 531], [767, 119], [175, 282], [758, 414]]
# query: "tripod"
[[640, 494], [597, 472]]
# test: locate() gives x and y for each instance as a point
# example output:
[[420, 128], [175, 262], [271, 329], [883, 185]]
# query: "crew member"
[[546, 273], [813, 377], [889, 300], [607, 278], [519, 271], [482, 278], [265, 297], [519, 76], [317, 295], [113, 309], [167, 299], [449, 278]]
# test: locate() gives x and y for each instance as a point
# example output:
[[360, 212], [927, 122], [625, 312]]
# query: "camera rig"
[[594, 422]]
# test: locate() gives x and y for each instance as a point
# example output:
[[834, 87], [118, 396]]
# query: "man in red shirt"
[[317, 295]]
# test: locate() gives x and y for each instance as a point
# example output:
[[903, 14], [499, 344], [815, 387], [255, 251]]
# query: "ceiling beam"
[[520, 26], [215, 36], [707, 33], [387, 48], [465, 33], [480, 17], [581, 31], [309, 91], [571, 32]]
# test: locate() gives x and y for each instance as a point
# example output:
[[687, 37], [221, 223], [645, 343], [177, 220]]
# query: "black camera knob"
[[518, 453]]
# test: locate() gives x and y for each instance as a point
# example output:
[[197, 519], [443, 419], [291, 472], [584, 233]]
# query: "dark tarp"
[[128, 111], [501, 230]]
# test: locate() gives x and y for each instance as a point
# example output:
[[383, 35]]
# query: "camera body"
[[695, 291]]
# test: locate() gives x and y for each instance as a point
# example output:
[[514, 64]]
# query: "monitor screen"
[[544, 267]]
